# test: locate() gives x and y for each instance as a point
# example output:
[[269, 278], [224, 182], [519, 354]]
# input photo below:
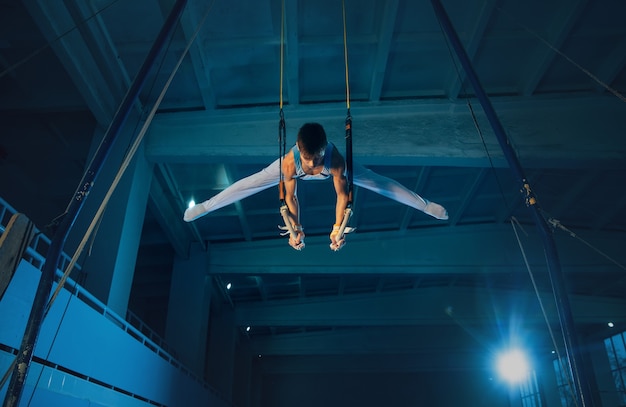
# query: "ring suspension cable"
[[281, 124], [281, 153], [282, 137], [282, 50], [348, 115], [347, 213], [345, 53]]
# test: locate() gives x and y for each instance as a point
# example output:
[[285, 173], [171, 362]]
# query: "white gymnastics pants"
[[268, 177]]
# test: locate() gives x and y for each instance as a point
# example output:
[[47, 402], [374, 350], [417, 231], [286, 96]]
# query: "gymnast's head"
[[312, 141]]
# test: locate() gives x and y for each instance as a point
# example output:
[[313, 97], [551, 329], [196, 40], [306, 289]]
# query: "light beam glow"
[[513, 366]]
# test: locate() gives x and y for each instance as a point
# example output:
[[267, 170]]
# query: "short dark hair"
[[312, 139]]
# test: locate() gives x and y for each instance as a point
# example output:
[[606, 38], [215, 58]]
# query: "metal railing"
[[35, 255]]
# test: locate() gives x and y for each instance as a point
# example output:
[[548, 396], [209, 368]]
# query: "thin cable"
[[129, 156], [544, 312], [54, 338], [345, 53], [39, 50], [557, 224], [567, 58]]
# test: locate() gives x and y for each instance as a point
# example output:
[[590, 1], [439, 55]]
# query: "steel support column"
[[581, 386]]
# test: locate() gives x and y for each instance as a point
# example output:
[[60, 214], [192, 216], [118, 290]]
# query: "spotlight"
[[513, 366], [247, 329], [228, 286], [611, 324], [192, 203]]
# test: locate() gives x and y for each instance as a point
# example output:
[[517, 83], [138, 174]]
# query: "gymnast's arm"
[[341, 185], [291, 199]]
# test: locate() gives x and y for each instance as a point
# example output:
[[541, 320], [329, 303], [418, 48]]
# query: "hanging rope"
[[282, 143], [282, 140], [347, 214], [348, 115]]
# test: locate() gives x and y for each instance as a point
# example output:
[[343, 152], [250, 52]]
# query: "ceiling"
[[555, 73]]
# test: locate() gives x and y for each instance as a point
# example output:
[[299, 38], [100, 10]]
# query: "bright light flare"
[[513, 366], [192, 203]]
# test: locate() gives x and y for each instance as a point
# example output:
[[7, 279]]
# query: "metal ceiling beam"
[[292, 53], [560, 29], [432, 306], [457, 76], [85, 50], [425, 251], [383, 49], [166, 186], [177, 233], [443, 365], [580, 188], [550, 132], [419, 186], [241, 214], [388, 340], [604, 219], [199, 60], [468, 193], [613, 65]]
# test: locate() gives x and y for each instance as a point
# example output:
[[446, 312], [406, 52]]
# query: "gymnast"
[[314, 158]]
